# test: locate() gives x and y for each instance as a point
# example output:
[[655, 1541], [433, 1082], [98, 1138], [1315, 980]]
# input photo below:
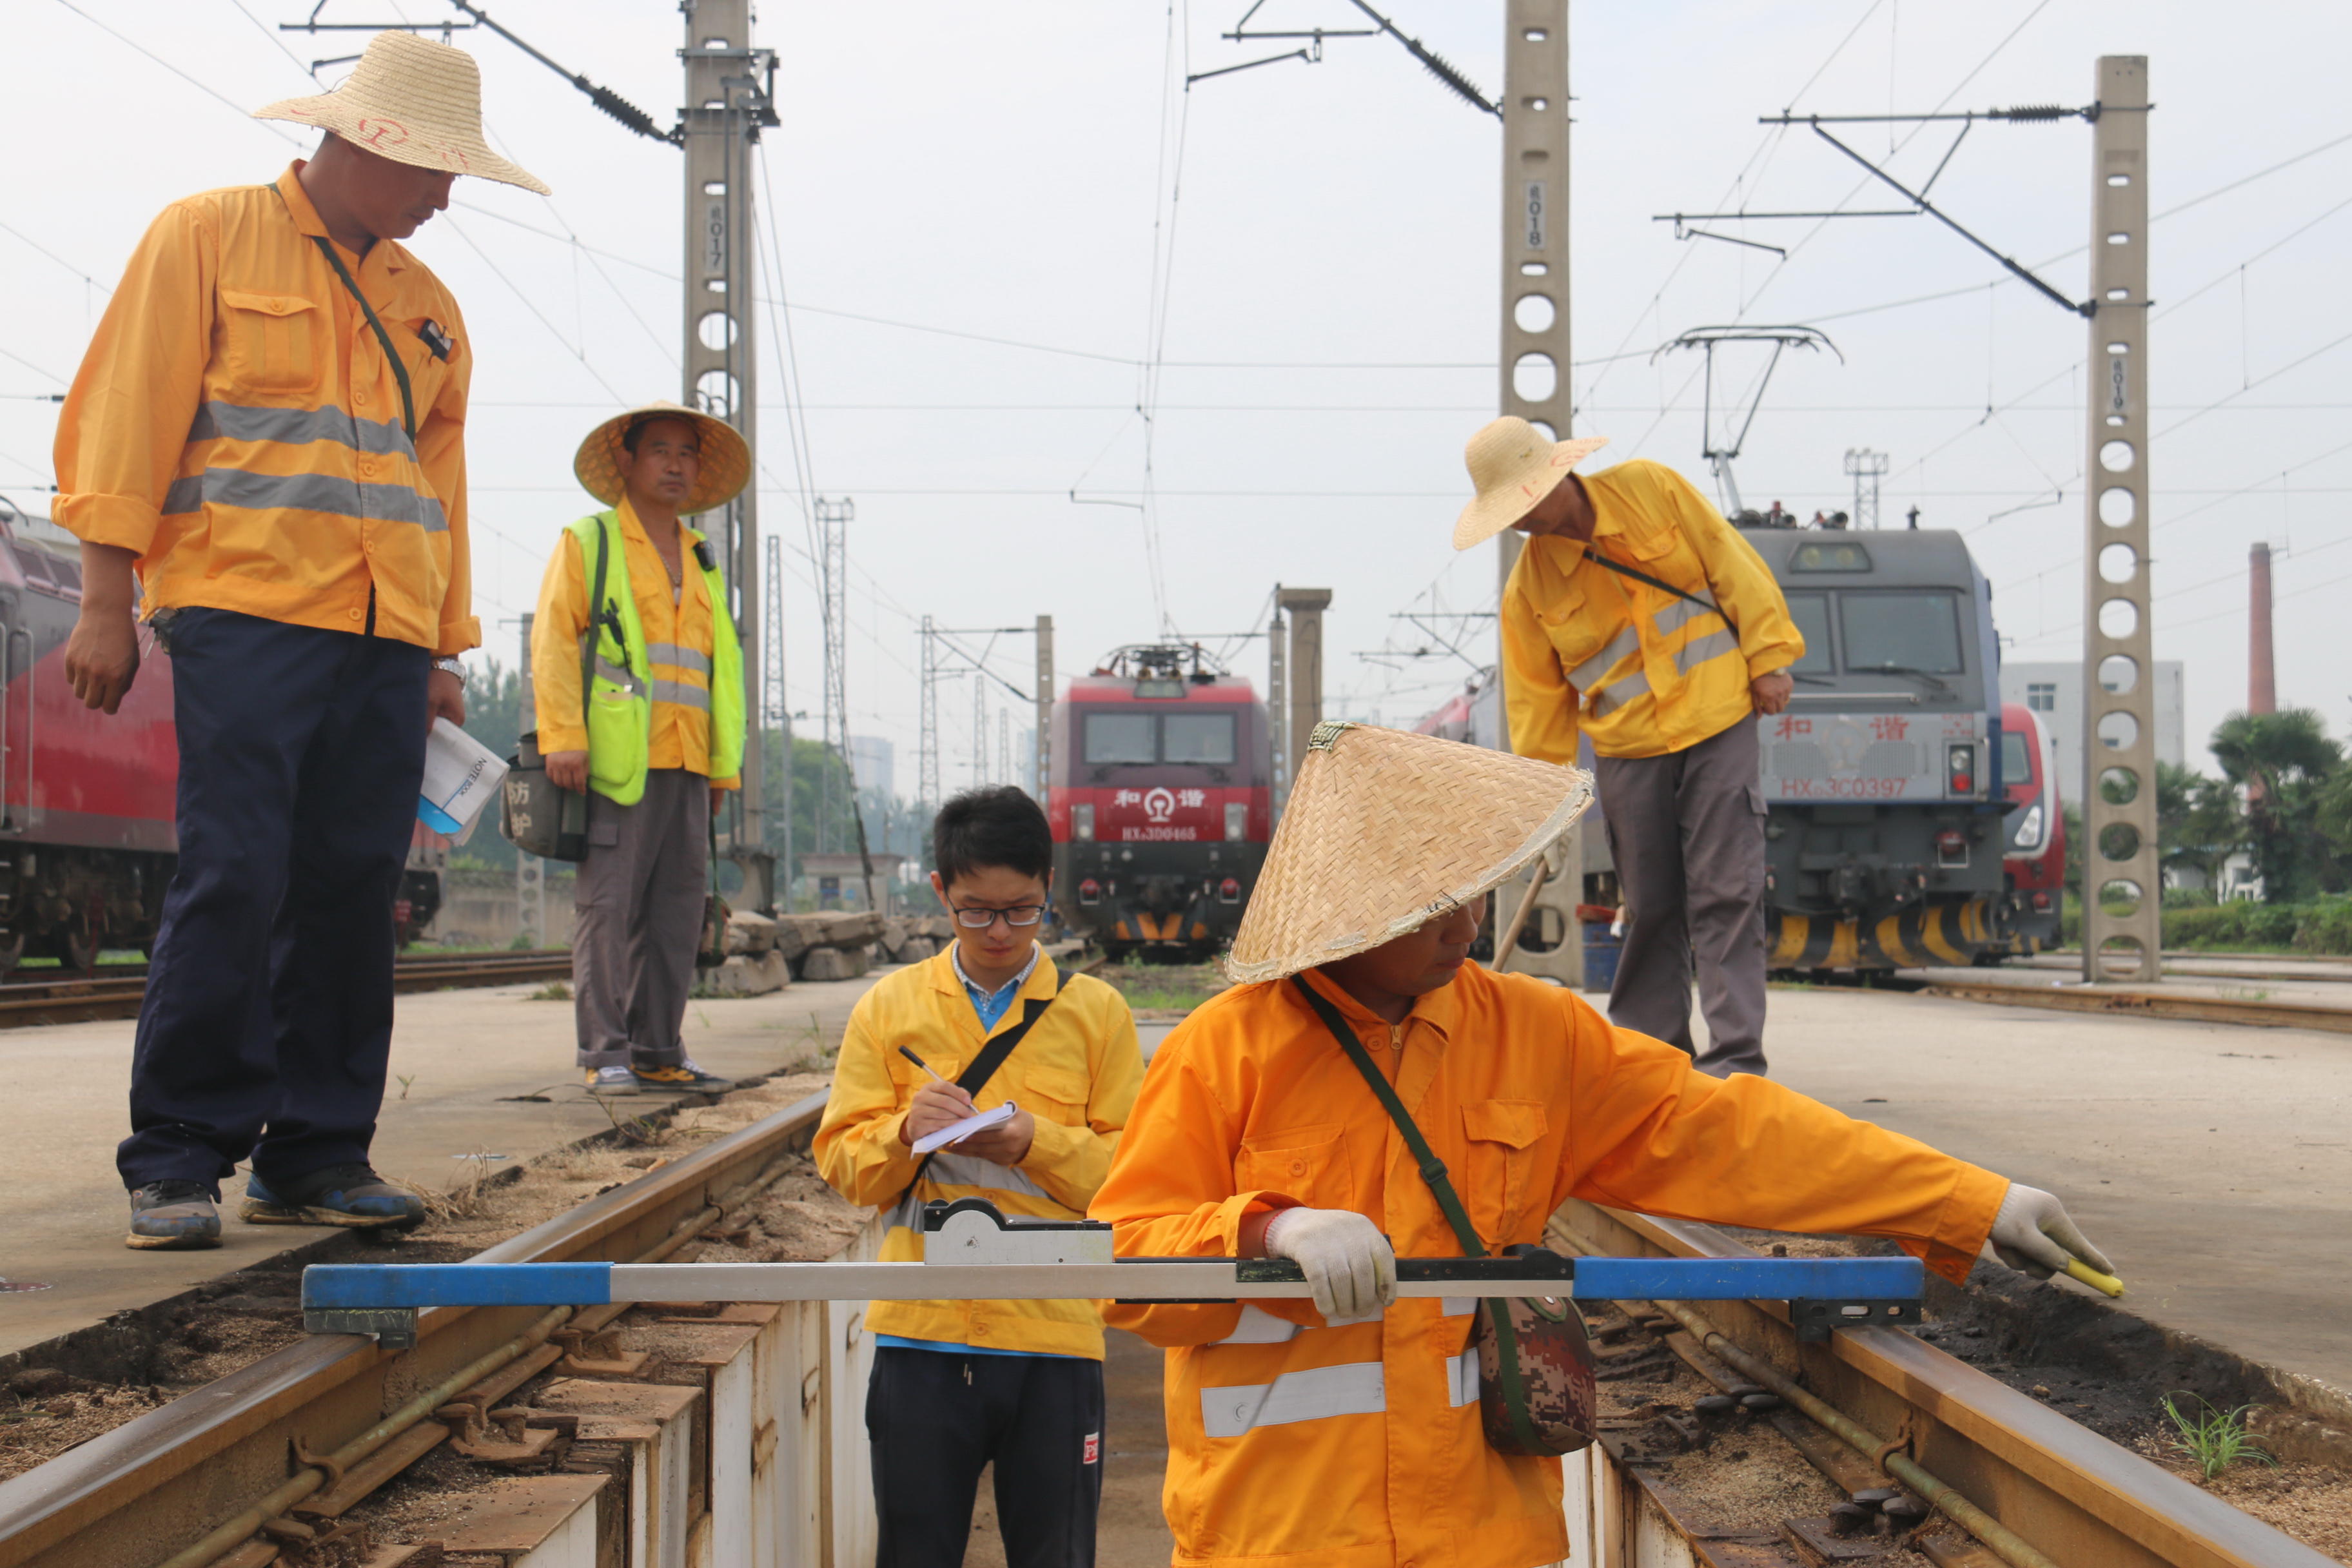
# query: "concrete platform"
[[2213, 1163], [2313, 985], [465, 1056]]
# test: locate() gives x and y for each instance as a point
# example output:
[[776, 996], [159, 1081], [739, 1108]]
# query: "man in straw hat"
[[269, 430], [633, 605], [1639, 617], [1348, 1431]]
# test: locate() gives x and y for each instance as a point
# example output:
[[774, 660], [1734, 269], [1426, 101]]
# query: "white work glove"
[[2034, 1234], [1347, 1261]]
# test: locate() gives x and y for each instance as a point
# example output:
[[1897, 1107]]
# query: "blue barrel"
[[1601, 951]]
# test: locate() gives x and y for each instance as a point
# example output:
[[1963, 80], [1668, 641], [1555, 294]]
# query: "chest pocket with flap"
[[1309, 1163], [269, 343], [1504, 1138]]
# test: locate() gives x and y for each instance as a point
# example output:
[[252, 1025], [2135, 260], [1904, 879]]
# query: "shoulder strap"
[[1433, 1169], [974, 1078], [392, 355], [1602, 561], [595, 618]]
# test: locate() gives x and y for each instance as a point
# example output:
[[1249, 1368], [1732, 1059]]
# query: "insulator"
[[2039, 112]]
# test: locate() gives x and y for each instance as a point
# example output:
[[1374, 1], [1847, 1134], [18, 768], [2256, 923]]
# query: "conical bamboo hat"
[[1386, 831]]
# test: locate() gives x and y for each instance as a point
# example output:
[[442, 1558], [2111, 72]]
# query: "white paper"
[[461, 775], [956, 1133]]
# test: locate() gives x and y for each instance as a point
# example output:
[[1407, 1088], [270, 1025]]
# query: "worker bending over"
[[269, 427], [960, 1384], [1638, 616], [638, 688], [1337, 1434]]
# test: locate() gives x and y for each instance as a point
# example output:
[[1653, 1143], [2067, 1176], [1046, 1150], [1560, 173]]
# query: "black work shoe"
[[173, 1216], [351, 1195]]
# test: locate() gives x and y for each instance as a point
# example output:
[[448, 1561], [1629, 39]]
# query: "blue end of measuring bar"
[[1749, 1278], [331, 1285]]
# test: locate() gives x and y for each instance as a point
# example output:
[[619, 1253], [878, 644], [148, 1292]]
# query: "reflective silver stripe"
[[304, 492], [1353, 1388], [1699, 650], [1461, 1378], [298, 427], [1682, 613], [954, 1169], [1260, 1327], [1587, 676], [682, 694], [1620, 693], [683, 657], [618, 677], [1458, 1306]]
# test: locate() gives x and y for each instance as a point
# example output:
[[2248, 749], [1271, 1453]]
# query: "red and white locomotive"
[[1161, 803]]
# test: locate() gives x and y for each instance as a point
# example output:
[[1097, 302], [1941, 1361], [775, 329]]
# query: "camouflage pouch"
[[1535, 1390]]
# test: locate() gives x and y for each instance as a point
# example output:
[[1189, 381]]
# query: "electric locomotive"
[[1883, 783], [1883, 838], [1161, 803]]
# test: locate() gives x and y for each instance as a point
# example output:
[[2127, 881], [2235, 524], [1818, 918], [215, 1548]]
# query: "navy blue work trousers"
[[268, 1020]]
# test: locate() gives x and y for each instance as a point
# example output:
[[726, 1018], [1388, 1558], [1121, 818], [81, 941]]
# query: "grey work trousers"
[[1686, 831], [638, 908]]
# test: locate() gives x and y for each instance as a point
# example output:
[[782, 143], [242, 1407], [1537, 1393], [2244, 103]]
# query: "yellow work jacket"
[[1642, 670], [1359, 1445], [677, 640], [236, 425], [1076, 1073]]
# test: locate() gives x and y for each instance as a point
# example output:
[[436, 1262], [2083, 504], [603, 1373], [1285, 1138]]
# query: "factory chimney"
[[2262, 680]]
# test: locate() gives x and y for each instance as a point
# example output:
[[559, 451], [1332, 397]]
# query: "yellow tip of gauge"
[[2106, 1284]]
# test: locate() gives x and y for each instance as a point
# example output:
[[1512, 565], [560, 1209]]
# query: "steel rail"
[[84, 996], [2076, 1497], [158, 1485]]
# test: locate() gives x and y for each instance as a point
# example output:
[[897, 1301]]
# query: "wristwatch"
[[450, 667]]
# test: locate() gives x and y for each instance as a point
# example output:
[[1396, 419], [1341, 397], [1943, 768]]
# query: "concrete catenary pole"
[[726, 105], [1042, 769], [2121, 932], [2262, 675], [1535, 373], [1278, 701], [1304, 608]]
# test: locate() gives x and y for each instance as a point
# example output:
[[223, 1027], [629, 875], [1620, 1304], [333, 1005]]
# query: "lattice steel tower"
[[832, 520]]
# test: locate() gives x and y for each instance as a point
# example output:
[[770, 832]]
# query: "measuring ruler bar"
[[377, 1286]]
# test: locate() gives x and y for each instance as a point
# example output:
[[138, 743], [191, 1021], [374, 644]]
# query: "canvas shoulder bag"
[[538, 815], [1536, 1389], [974, 1078]]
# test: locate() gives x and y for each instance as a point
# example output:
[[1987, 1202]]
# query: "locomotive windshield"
[[2016, 758], [1208, 738], [1898, 631], [1122, 737], [1811, 614]]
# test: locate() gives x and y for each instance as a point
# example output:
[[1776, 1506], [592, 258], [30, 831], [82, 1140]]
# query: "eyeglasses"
[[1018, 915]]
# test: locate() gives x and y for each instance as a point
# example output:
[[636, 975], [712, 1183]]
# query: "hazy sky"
[[968, 201]]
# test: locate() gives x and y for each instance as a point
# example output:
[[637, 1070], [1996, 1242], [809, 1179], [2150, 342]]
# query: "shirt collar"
[[631, 523], [1440, 1009], [955, 961], [384, 253]]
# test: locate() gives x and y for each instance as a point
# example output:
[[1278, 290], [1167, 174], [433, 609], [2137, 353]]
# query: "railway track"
[[77, 997], [236, 1472]]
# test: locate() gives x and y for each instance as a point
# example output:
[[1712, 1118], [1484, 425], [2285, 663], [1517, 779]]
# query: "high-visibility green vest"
[[619, 670]]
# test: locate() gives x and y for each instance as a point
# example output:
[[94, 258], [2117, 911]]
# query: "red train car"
[[87, 842], [1161, 803], [2034, 858]]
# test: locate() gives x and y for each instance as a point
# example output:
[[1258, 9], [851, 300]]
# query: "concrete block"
[[743, 975], [834, 964], [749, 933]]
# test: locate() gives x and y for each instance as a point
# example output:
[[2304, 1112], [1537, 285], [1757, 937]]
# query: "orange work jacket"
[[677, 640], [1644, 671], [1359, 1445], [236, 426]]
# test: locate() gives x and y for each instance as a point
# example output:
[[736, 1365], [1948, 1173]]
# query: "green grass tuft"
[[2216, 1439]]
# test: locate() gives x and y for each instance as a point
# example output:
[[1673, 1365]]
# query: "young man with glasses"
[[957, 1385]]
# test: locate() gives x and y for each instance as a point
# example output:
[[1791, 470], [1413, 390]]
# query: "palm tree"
[[2283, 762]]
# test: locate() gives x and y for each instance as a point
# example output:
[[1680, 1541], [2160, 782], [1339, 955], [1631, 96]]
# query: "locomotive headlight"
[[1081, 821], [1960, 767], [2029, 829], [1236, 819]]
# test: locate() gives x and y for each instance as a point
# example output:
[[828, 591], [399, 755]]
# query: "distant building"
[[870, 763], [2054, 693]]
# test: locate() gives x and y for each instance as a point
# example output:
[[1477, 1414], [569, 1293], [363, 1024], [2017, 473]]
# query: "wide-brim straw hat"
[[1514, 467], [412, 101], [726, 460], [1386, 831]]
